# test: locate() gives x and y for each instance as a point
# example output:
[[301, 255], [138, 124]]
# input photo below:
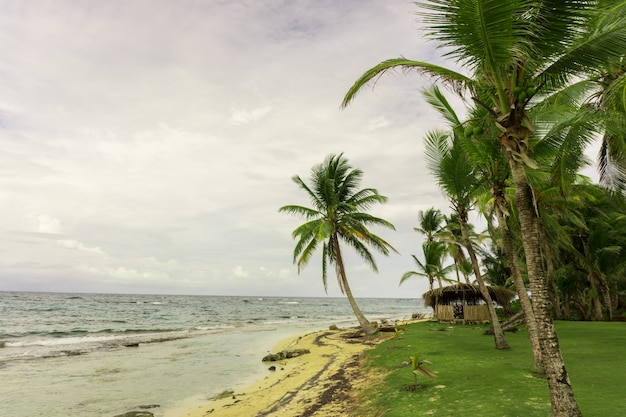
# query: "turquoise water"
[[102, 355]]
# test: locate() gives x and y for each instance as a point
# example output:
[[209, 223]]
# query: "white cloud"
[[240, 272], [74, 244], [241, 117], [378, 123], [47, 224]]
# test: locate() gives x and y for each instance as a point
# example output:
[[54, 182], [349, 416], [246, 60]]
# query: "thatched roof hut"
[[465, 301], [471, 294]]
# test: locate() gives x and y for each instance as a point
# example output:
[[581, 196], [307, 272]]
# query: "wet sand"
[[321, 383]]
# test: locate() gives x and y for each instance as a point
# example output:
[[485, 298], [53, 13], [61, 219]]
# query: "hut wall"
[[478, 312], [471, 313], [444, 312]]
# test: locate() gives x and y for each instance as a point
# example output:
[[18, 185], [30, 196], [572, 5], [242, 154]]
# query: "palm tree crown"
[[337, 215]]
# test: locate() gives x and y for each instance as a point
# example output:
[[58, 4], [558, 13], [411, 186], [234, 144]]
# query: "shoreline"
[[318, 383]]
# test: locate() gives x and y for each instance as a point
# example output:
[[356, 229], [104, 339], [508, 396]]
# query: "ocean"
[[102, 355]]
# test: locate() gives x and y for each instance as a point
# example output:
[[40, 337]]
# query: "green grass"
[[475, 379]]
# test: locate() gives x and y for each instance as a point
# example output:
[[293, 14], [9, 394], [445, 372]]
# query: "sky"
[[147, 145]]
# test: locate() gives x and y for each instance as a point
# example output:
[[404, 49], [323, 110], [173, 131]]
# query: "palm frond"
[[436, 99], [592, 51], [456, 81], [305, 253], [478, 33], [300, 211], [411, 274]]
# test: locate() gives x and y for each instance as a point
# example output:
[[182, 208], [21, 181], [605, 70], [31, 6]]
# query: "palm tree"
[[610, 85], [515, 50], [459, 180], [430, 223], [452, 236], [432, 267], [493, 169], [337, 216]]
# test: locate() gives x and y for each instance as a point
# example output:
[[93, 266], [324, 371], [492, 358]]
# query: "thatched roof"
[[470, 294]]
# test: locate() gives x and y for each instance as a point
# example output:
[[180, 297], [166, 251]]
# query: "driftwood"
[[512, 323], [284, 354]]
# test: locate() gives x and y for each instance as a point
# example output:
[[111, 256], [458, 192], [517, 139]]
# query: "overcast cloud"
[[148, 144]]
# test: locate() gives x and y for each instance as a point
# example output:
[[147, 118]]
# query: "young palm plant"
[[338, 216], [417, 366]]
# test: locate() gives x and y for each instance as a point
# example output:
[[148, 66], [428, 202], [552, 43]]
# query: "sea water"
[[95, 355]]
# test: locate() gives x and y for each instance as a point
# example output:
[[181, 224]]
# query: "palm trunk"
[[599, 286], [459, 259], [561, 394], [366, 326], [529, 315], [498, 333], [553, 290]]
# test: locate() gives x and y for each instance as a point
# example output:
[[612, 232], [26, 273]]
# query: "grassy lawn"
[[475, 379]]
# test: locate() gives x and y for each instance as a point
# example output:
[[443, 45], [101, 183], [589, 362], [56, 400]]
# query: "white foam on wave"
[[64, 341]]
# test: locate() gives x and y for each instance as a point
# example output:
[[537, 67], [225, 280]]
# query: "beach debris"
[[388, 329], [285, 354], [140, 413], [136, 414], [224, 394], [271, 368], [333, 327]]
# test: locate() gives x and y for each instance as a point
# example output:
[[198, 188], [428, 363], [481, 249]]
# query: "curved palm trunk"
[[561, 394], [498, 333], [529, 315], [366, 326]]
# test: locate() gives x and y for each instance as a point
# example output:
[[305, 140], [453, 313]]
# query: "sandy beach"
[[320, 383]]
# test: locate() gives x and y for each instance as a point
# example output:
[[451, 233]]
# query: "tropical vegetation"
[[541, 80]]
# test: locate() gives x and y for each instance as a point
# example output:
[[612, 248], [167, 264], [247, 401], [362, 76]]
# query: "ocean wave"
[[75, 346]]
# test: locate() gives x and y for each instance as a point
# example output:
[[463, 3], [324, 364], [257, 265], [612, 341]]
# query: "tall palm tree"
[[515, 50], [493, 169], [338, 216], [458, 178]]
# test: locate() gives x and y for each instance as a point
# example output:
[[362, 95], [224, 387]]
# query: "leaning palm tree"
[[513, 52], [337, 216]]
